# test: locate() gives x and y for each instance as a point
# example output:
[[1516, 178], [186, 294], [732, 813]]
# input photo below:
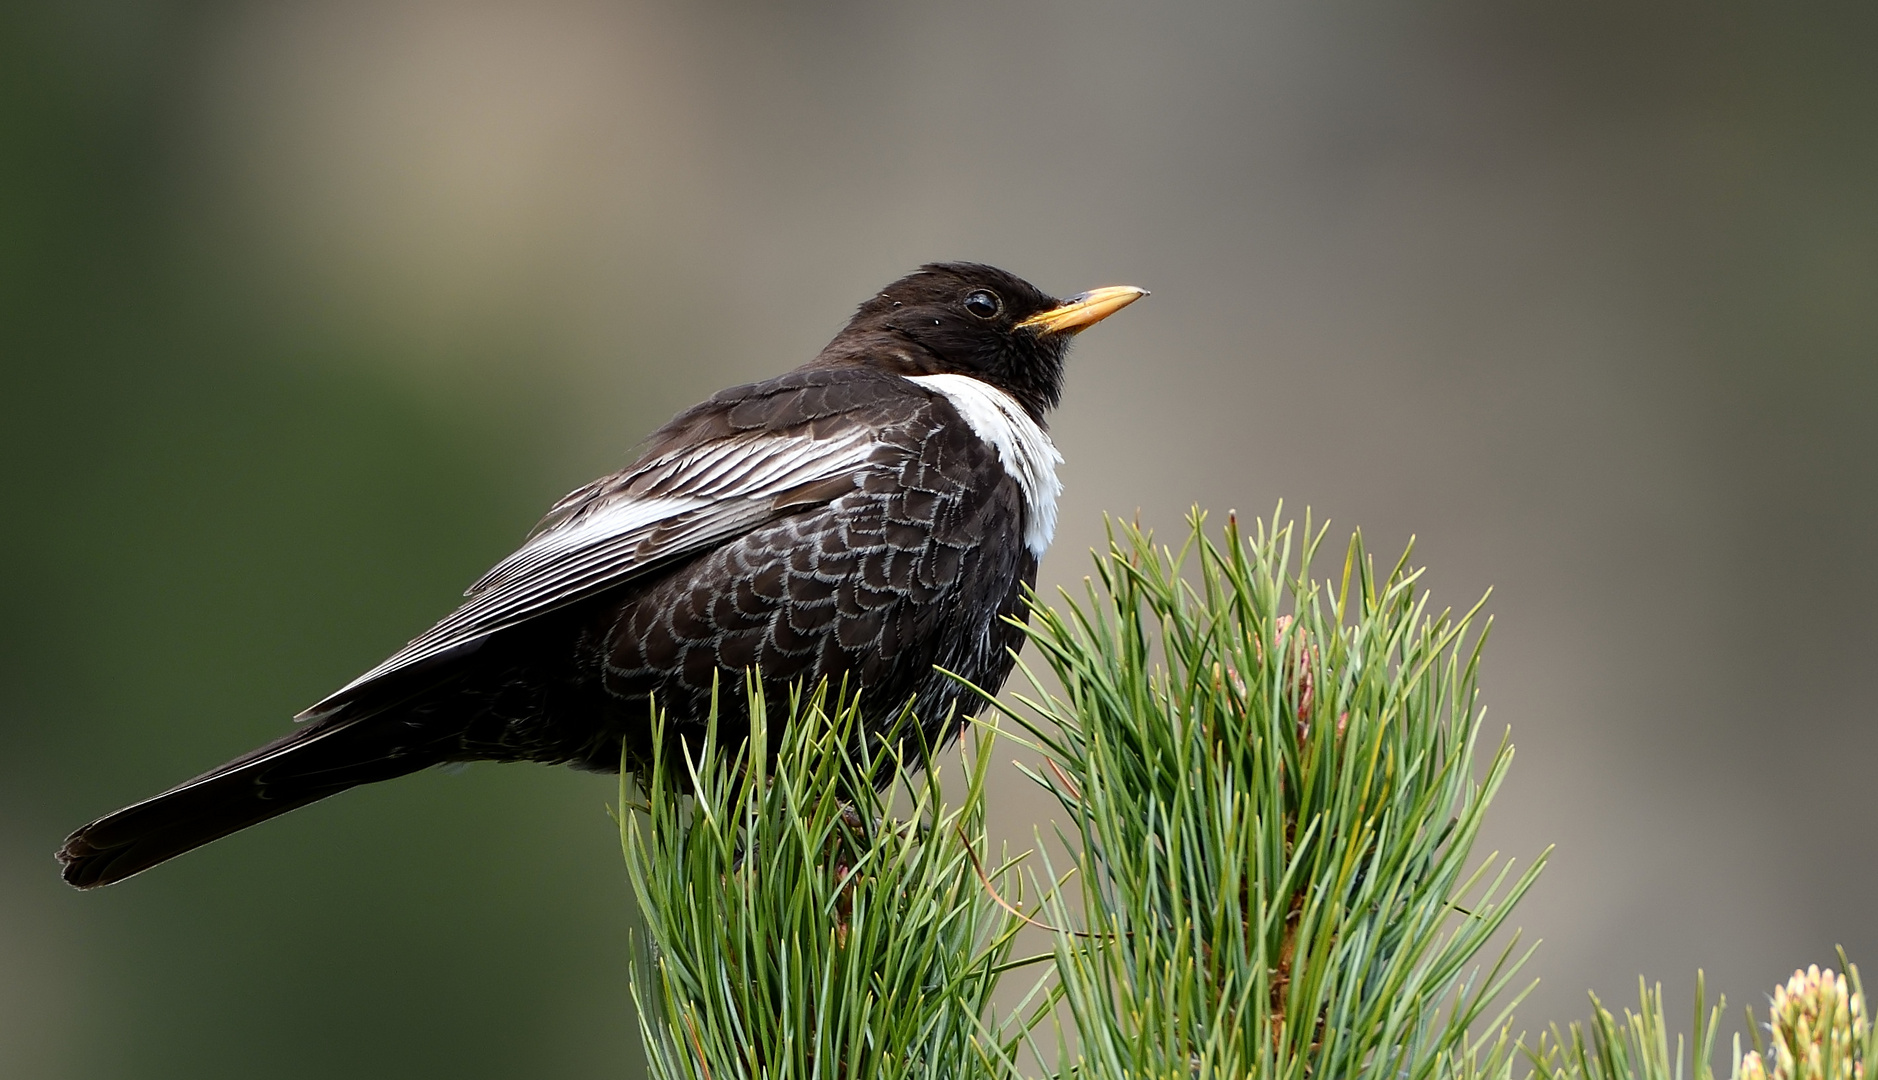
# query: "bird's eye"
[[983, 303]]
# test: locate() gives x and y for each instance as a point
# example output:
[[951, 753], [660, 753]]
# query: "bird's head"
[[977, 320]]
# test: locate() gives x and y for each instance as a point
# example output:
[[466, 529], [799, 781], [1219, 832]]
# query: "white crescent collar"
[[1025, 448]]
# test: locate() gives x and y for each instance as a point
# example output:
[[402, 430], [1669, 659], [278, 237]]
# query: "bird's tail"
[[322, 758]]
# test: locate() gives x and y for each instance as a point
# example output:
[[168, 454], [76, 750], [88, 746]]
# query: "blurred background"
[[307, 310]]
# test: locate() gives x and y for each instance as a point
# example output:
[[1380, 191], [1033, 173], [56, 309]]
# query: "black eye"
[[983, 303]]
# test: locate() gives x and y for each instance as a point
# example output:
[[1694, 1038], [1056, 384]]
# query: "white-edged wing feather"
[[613, 530]]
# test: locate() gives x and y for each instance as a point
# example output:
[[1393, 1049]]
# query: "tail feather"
[[305, 766]]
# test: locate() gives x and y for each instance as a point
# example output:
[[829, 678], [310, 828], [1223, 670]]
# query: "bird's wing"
[[674, 504]]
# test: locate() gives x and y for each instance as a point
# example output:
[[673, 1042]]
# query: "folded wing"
[[674, 505]]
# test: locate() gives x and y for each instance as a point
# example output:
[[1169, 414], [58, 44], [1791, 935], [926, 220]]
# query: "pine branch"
[[794, 928], [1272, 789]]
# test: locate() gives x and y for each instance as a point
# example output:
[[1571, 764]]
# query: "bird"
[[873, 518]]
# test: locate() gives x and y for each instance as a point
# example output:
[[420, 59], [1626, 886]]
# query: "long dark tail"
[[323, 758]]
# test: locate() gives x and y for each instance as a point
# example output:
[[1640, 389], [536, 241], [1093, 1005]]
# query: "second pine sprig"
[[1272, 787]]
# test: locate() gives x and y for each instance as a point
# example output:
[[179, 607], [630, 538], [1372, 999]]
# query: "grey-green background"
[[308, 309]]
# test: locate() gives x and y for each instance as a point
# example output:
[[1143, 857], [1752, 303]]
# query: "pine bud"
[[1818, 1028]]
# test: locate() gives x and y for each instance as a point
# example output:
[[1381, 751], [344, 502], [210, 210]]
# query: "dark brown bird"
[[870, 516]]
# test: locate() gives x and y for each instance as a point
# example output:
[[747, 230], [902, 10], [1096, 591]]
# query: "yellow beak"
[[1080, 312]]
